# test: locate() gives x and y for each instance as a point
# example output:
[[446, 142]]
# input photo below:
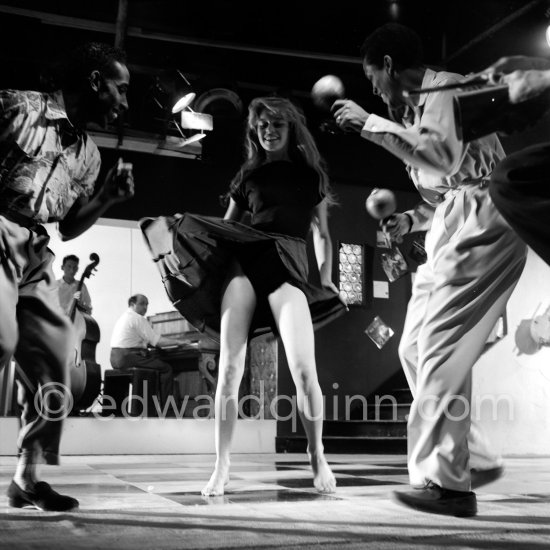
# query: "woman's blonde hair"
[[301, 145]]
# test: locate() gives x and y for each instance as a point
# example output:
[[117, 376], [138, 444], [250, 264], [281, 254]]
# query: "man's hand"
[[118, 186], [331, 286], [119, 182], [524, 85], [348, 115], [526, 77], [395, 226], [506, 65]]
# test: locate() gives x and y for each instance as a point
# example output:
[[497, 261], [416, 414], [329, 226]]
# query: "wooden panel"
[[262, 364]]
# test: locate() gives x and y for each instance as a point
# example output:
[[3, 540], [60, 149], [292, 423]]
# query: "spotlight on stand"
[[189, 119]]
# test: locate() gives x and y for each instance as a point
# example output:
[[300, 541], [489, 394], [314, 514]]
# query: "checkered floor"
[[256, 480], [136, 501]]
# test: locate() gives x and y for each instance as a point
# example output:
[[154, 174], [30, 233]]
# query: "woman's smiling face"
[[273, 133]]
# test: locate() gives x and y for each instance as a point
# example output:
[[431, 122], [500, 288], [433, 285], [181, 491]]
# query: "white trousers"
[[474, 262]]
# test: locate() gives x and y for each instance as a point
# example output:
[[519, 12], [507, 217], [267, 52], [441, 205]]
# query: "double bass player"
[[67, 287]]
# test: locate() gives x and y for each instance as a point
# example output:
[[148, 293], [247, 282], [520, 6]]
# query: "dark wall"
[[165, 185]]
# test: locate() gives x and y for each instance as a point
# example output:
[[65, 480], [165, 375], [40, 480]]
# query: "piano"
[[198, 354]]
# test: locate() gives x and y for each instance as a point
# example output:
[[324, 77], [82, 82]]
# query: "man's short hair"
[[70, 258], [132, 300], [89, 57], [401, 43]]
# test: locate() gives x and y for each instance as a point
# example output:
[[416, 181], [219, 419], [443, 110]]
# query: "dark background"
[[260, 48]]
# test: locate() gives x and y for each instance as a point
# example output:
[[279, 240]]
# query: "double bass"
[[84, 371]]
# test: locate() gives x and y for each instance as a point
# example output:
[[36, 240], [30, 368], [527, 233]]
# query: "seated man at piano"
[[132, 338]]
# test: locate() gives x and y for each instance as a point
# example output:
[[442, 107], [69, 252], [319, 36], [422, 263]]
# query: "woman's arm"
[[322, 245]]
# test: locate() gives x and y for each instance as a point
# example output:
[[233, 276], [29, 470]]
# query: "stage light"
[[190, 119], [183, 102]]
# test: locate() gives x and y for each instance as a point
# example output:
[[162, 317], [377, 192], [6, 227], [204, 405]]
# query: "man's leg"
[[124, 360], [165, 372], [476, 261], [42, 351], [45, 344], [439, 422], [482, 457]]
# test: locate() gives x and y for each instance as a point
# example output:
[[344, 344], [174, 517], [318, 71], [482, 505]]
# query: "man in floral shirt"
[[48, 172]]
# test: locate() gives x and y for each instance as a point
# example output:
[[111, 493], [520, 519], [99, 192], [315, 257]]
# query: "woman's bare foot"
[[323, 478], [218, 480]]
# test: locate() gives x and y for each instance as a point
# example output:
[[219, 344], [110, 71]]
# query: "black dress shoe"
[[484, 477], [437, 500], [42, 497]]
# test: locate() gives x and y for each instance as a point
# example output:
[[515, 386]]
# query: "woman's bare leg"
[[293, 318], [238, 304]]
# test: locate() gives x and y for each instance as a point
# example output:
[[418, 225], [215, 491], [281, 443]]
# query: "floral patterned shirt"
[[46, 163]]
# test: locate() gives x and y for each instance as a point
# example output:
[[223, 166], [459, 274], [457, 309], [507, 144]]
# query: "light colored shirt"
[[66, 292], [133, 330], [39, 177], [427, 141]]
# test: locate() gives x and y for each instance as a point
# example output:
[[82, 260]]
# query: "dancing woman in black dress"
[[234, 281]]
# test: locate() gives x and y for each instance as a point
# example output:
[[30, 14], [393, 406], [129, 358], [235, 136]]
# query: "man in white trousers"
[[474, 262]]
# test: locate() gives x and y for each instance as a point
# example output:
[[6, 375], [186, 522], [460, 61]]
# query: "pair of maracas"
[[381, 203]]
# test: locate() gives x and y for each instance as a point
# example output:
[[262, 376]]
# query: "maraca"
[[326, 91], [381, 203]]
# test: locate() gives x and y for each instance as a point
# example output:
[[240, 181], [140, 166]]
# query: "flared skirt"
[[194, 253]]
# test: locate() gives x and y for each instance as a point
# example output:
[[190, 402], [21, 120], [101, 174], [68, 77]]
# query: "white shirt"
[[133, 330], [437, 160]]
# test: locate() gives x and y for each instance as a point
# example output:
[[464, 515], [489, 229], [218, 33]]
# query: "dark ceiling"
[[257, 48]]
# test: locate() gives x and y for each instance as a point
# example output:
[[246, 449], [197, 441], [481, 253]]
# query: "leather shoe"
[[484, 477], [42, 497], [437, 500]]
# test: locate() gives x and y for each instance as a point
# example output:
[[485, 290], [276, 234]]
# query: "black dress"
[[193, 253]]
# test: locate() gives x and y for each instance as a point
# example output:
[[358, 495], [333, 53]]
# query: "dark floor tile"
[[278, 496], [340, 481], [293, 463], [261, 467], [93, 488], [372, 471], [190, 499], [136, 466], [153, 477], [391, 465]]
